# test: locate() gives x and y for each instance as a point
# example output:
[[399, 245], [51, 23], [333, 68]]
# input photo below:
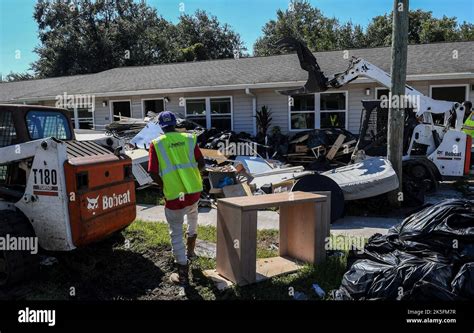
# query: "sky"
[[18, 30]]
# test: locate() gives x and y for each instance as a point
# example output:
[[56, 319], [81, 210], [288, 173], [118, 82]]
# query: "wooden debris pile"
[[332, 146]]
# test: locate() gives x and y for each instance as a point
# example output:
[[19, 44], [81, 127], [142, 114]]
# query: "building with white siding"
[[226, 93]]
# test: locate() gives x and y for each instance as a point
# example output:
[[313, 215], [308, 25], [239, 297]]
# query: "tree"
[[350, 36], [466, 31], [379, 31], [301, 21], [422, 28], [89, 36], [204, 37], [439, 30], [17, 77]]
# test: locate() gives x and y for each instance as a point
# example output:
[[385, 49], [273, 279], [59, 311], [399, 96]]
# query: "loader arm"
[[20, 151], [359, 67]]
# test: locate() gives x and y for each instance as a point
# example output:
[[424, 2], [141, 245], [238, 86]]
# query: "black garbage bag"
[[430, 255], [463, 282]]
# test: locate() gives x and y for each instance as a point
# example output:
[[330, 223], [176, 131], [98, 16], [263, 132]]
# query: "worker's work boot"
[[182, 276], [190, 246]]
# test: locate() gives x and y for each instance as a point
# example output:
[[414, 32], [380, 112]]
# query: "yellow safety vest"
[[468, 127], [178, 167]]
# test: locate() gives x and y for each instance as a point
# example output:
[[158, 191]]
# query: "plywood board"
[[236, 244], [267, 268], [272, 200], [271, 267], [214, 154], [335, 147], [298, 231]]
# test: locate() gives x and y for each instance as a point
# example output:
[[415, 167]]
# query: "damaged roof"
[[426, 59]]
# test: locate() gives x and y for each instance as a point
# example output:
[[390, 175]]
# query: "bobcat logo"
[[92, 204]]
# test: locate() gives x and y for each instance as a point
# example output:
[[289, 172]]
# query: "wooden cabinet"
[[304, 226]]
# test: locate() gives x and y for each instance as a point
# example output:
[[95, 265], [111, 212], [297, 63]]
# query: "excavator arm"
[[358, 67]]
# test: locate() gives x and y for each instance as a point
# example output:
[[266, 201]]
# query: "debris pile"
[[241, 164], [125, 128], [429, 256], [321, 149]]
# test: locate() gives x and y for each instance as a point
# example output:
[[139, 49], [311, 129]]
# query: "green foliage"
[[93, 36], [264, 119], [204, 37], [17, 77], [321, 33]]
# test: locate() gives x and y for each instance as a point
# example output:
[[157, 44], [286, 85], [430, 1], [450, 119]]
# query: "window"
[[85, 118], [382, 92], [447, 93], [219, 116], [153, 105], [333, 109], [196, 111], [302, 112], [121, 108], [45, 124]]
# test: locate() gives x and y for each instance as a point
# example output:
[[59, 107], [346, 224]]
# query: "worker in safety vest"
[[174, 163], [468, 126]]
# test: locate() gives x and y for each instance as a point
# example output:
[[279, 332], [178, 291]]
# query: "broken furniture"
[[304, 223]]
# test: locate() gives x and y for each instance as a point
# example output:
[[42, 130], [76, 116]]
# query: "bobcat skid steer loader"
[[54, 190]]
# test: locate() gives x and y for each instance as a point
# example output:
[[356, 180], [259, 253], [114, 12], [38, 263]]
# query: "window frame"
[[451, 85], [111, 107], [316, 99], [152, 99], [317, 110], [208, 108], [68, 123], [75, 119], [346, 110]]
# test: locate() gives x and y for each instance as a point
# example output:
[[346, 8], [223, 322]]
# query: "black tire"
[[16, 266]]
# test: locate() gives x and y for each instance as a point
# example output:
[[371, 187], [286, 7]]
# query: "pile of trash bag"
[[429, 256]]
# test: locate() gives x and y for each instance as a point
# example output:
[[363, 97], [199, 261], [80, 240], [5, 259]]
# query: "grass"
[[152, 234], [136, 265], [328, 275]]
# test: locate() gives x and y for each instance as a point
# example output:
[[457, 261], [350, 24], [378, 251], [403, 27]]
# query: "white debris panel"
[[369, 178]]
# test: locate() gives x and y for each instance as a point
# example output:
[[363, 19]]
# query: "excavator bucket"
[[317, 81]]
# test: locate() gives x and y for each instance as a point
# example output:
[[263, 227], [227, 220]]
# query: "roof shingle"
[[422, 59]]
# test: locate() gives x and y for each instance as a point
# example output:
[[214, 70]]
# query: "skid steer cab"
[[58, 191]]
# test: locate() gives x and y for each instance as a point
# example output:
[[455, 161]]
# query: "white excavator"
[[443, 150]]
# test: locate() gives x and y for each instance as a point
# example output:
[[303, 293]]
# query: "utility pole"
[[396, 117]]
